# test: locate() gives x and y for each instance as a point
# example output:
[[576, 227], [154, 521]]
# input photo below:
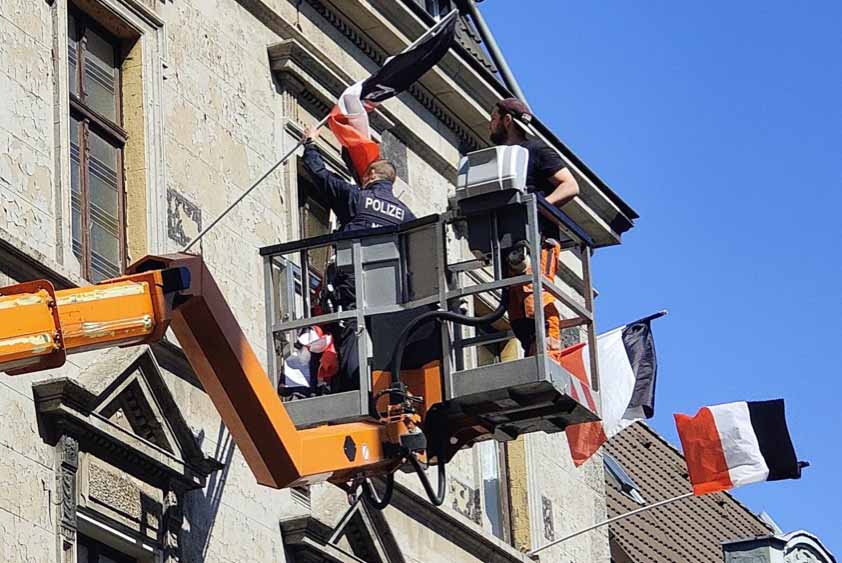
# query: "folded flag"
[[735, 444], [317, 341], [349, 119], [297, 368], [628, 370]]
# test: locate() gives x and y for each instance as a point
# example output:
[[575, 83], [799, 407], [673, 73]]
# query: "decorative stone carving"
[[547, 513], [466, 501], [571, 336], [128, 470], [114, 491], [803, 555], [68, 451], [173, 521], [184, 218]]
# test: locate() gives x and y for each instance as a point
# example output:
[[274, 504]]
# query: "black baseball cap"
[[518, 110]]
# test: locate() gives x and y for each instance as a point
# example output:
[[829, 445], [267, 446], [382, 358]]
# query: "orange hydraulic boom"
[[407, 411], [40, 326]]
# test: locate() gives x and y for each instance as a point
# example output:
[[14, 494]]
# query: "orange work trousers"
[[521, 307]]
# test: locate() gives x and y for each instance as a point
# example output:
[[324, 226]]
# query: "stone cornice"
[[310, 76], [469, 139], [68, 409], [22, 262], [467, 537], [469, 94], [307, 538]]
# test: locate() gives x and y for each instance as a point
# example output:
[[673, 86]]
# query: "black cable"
[[373, 499], [436, 499], [397, 356]]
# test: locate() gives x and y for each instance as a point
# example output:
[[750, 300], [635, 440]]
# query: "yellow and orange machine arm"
[[39, 326]]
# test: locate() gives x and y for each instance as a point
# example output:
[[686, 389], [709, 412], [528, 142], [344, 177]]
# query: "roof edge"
[[543, 129], [728, 493]]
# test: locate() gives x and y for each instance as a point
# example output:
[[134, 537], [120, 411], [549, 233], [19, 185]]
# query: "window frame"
[[110, 131], [97, 549], [494, 351], [307, 202]]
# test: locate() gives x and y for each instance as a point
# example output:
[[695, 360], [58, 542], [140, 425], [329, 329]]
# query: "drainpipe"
[[497, 57]]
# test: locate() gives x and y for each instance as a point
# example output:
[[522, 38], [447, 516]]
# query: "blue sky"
[[721, 124]]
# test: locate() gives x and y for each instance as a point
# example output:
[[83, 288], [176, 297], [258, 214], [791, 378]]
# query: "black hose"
[[373, 499], [397, 356], [436, 498]]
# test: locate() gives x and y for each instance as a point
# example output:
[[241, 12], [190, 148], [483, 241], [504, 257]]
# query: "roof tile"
[[689, 531]]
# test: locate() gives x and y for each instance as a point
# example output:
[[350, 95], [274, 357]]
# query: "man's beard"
[[498, 136]]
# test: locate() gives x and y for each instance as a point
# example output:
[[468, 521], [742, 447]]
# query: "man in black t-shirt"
[[546, 173]]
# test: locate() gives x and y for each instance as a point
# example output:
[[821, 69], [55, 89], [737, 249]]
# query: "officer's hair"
[[383, 170]]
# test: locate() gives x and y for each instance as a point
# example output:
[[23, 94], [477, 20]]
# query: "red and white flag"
[[735, 444], [349, 122], [628, 370], [349, 119]]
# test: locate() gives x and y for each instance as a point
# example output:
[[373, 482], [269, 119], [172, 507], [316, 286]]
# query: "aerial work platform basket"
[[420, 395], [441, 263]]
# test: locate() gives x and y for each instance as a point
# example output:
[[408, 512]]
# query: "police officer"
[[372, 206]]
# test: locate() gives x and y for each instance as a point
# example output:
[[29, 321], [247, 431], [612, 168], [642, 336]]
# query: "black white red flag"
[[349, 118], [735, 444], [628, 369]]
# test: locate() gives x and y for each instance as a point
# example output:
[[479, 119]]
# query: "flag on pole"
[[628, 370], [349, 118], [735, 444], [349, 122]]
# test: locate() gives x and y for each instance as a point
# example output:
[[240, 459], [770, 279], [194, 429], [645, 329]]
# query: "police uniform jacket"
[[357, 209]]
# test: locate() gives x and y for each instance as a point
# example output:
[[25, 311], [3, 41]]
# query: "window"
[[91, 551], [492, 460], [314, 220], [622, 479], [96, 148]]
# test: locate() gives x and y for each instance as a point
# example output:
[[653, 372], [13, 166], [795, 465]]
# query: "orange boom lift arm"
[[405, 414], [39, 326]]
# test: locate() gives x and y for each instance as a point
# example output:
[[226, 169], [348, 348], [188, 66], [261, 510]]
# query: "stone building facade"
[[125, 127]]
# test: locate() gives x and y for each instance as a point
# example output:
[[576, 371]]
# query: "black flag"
[[399, 72]]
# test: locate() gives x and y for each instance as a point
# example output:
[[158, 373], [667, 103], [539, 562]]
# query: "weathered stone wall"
[[27, 479], [26, 123], [564, 499], [233, 518], [223, 122]]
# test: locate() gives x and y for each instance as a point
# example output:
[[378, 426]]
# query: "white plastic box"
[[492, 170]]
